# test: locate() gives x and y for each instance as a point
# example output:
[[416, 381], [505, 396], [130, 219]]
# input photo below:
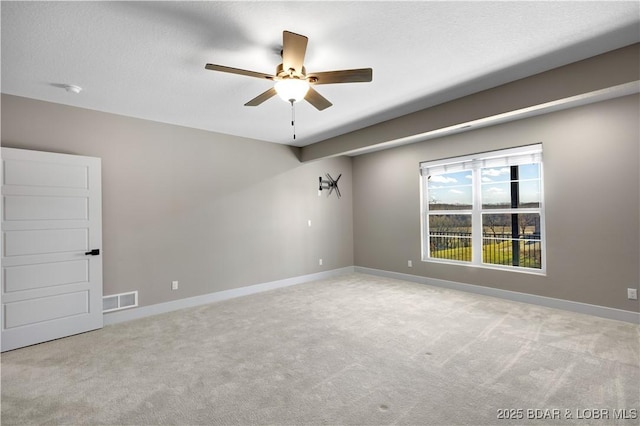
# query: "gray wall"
[[218, 212], [213, 211], [592, 203]]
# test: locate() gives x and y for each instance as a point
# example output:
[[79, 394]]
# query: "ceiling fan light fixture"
[[292, 83], [292, 89]]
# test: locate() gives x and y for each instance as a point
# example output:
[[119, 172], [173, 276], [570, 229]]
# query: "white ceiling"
[[146, 59]]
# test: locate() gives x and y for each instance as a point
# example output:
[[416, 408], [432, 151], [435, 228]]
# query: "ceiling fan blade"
[[317, 100], [231, 70], [361, 75], [261, 97], [294, 46]]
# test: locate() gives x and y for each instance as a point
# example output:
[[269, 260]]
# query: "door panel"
[[33, 311], [37, 173], [51, 216], [27, 277], [44, 208], [18, 243]]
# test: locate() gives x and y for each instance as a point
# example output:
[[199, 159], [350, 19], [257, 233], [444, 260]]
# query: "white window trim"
[[473, 163]]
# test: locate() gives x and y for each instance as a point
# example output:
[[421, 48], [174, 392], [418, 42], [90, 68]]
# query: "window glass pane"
[[529, 171], [529, 226], [529, 194], [496, 225], [501, 252], [459, 224], [450, 237], [450, 191], [496, 174], [496, 195], [496, 190], [501, 225], [512, 239]]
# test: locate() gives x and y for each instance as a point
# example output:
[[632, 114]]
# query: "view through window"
[[485, 209]]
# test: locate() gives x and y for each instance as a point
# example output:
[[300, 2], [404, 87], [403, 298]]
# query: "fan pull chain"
[[293, 119]]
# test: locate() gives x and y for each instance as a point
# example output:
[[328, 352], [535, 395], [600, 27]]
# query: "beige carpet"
[[358, 350]]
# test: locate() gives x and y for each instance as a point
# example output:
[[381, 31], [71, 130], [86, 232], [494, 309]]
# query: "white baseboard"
[[549, 302], [160, 308]]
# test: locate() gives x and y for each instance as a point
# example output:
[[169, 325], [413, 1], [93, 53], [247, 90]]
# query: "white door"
[[51, 222]]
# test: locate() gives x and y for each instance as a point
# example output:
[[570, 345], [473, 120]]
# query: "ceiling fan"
[[292, 83]]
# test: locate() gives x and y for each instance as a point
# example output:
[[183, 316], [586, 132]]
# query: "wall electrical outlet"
[[320, 262], [174, 285], [409, 263], [632, 293]]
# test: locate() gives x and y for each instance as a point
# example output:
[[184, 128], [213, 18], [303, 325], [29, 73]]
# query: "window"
[[485, 210]]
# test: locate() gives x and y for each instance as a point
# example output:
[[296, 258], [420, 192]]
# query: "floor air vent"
[[116, 302]]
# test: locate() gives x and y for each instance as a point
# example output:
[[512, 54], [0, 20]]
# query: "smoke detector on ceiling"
[[72, 89]]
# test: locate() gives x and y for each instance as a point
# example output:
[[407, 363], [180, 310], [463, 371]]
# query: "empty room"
[[320, 213]]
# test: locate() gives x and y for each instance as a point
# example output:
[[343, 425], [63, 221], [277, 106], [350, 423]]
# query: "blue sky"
[[456, 188]]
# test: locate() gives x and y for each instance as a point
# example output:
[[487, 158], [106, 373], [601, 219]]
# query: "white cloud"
[[443, 179], [469, 176], [496, 172], [486, 179], [456, 191], [495, 190]]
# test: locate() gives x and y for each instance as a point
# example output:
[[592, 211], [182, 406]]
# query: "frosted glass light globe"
[[292, 89]]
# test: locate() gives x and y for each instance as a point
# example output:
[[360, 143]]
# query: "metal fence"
[[497, 249], [450, 245]]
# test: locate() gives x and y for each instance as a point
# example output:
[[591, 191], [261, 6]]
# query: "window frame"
[[474, 164]]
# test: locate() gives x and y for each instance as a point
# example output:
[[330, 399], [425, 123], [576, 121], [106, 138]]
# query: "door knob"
[[93, 252]]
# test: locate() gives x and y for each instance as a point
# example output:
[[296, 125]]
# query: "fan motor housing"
[[282, 73]]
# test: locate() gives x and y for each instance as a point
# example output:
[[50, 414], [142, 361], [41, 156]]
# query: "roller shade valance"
[[504, 158]]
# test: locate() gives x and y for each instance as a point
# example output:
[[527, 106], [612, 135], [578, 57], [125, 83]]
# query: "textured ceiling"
[[146, 59]]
